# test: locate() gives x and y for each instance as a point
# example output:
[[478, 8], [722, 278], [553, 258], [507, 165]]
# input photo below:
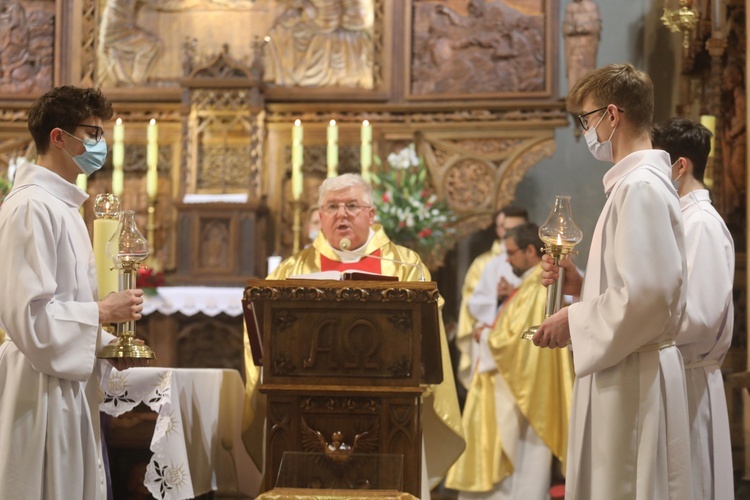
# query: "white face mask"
[[602, 151]]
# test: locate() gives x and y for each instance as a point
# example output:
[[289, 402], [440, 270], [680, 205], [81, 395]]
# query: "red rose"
[[386, 197]]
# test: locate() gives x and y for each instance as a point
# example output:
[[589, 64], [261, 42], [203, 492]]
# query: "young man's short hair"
[[65, 107], [632, 91], [681, 137], [524, 235]]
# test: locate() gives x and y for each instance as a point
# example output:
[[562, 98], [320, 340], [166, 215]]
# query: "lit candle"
[[297, 135], [709, 122], [366, 150], [333, 149], [118, 157], [152, 159]]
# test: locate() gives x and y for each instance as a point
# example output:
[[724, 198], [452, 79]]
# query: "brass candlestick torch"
[[559, 234], [127, 248]]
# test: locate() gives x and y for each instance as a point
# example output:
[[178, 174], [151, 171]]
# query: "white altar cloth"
[[197, 442], [191, 300]]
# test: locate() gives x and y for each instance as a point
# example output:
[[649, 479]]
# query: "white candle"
[[333, 149], [118, 157], [152, 160], [366, 149], [297, 135]]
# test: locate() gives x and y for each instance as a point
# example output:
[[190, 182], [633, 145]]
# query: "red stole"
[[364, 264]]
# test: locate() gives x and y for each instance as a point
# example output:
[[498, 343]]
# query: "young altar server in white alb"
[[50, 443], [706, 331], [629, 433]]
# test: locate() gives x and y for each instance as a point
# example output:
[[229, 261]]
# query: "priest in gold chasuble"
[[515, 428], [347, 215]]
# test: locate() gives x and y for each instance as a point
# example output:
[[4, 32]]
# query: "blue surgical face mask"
[[602, 151], [93, 158]]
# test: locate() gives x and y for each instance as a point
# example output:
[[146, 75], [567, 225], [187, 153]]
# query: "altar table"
[[197, 445]]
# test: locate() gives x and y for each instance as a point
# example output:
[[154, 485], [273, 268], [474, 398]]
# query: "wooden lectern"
[[343, 364]]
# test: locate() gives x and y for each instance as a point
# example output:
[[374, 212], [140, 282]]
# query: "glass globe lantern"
[[560, 234], [127, 248]]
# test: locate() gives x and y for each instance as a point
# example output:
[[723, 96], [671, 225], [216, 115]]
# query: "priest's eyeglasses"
[[95, 132], [351, 208], [584, 118]]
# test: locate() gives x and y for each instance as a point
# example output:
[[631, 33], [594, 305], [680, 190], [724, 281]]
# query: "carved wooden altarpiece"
[[223, 130], [346, 357]]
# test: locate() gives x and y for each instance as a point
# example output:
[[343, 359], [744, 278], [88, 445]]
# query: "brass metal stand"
[[127, 248], [126, 346], [555, 290], [559, 234]]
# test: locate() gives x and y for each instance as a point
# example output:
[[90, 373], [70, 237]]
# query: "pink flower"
[[424, 233], [386, 197]]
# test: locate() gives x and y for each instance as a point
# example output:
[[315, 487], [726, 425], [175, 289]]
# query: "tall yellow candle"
[[107, 211], [709, 122], [297, 135], [106, 275], [366, 149], [118, 157], [82, 181], [152, 159], [332, 151]]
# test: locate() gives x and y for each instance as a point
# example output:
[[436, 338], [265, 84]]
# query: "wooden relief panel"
[[478, 175], [27, 40], [481, 48], [315, 44], [322, 43], [140, 43], [356, 343]]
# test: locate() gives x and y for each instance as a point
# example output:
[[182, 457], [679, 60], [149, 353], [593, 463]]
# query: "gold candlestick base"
[[126, 347]]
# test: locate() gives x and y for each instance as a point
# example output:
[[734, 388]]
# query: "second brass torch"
[[559, 234]]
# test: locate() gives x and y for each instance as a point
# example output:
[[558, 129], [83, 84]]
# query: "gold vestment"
[[541, 381]]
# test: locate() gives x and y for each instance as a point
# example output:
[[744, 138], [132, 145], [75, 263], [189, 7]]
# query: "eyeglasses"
[[584, 118], [97, 134], [351, 208]]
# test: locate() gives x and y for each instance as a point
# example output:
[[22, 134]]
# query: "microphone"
[[346, 244]]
